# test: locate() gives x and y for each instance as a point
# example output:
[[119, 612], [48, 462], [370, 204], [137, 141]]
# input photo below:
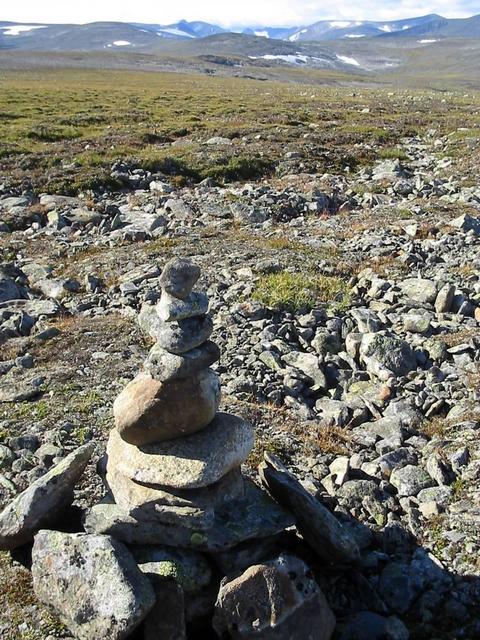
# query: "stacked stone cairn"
[[174, 461], [178, 499]]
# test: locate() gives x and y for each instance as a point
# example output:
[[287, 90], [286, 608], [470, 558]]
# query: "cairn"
[[174, 461]]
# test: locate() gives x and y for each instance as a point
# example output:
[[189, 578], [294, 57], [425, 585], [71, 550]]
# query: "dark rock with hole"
[[278, 600]]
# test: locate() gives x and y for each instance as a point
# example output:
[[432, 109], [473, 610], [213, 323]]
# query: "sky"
[[231, 13]]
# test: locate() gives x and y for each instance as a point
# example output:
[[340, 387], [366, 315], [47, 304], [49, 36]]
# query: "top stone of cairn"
[[179, 277]]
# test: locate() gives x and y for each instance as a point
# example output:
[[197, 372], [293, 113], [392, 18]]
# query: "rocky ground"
[[347, 310]]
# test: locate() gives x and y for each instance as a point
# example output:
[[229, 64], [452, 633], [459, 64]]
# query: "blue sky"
[[231, 13]]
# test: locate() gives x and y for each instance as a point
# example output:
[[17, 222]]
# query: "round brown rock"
[[150, 411]]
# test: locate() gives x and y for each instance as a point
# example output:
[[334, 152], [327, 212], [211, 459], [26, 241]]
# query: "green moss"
[[197, 538], [170, 569]]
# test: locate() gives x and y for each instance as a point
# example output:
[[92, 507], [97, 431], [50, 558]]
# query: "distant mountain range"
[[148, 37]]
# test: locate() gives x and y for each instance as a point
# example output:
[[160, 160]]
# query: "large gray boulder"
[[92, 583], [316, 523], [278, 600], [419, 289], [39, 505]]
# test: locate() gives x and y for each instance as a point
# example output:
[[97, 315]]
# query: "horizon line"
[[236, 26]]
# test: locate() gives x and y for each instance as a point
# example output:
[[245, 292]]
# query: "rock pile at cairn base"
[[173, 466]]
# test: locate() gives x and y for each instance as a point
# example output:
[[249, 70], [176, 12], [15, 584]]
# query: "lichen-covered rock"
[[179, 277], [419, 289], [410, 480], [190, 569], [385, 355], [163, 365], [149, 410], [39, 505], [183, 335], [278, 600], [92, 583]]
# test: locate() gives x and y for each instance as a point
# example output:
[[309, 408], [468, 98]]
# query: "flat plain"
[[325, 192]]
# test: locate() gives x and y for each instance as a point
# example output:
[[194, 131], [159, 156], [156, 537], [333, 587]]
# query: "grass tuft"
[[297, 291]]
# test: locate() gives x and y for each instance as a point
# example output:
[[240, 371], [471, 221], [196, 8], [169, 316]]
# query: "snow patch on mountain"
[[17, 29], [297, 35], [297, 58], [175, 32], [119, 43], [347, 60]]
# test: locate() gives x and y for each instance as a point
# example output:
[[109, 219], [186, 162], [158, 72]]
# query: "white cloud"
[[247, 12]]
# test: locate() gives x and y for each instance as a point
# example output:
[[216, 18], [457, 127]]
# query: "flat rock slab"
[[38, 506], [21, 391], [34, 308], [323, 532], [92, 583], [170, 309], [192, 462], [255, 516], [142, 501], [148, 410]]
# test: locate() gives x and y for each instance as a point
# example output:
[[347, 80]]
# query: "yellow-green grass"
[[297, 291], [63, 129]]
